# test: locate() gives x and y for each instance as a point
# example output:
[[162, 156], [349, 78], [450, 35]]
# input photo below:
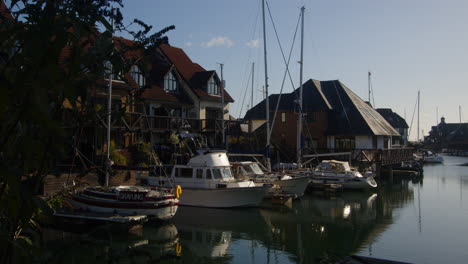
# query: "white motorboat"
[[127, 200], [430, 157], [248, 170], [208, 182], [340, 173]]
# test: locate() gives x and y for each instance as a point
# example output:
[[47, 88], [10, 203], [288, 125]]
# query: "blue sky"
[[407, 45]]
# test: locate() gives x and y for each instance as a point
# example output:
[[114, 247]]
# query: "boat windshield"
[[334, 166], [222, 173], [256, 169]]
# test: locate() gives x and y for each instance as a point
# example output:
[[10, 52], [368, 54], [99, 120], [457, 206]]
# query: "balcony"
[[139, 121]]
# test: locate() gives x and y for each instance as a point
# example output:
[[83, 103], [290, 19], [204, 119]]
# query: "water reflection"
[[316, 228], [140, 244]]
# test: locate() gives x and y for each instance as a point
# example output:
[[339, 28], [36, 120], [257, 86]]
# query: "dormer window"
[[137, 75], [213, 87], [107, 71], [170, 82]]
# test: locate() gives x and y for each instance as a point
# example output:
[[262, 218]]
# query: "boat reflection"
[[207, 233], [347, 223], [140, 244]]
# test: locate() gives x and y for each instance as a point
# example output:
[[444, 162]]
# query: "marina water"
[[417, 220]]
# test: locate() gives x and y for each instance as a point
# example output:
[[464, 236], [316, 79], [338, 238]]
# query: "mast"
[[109, 111], [222, 106], [418, 117], [459, 112], [252, 92], [266, 92], [368, 85], [299, 124]]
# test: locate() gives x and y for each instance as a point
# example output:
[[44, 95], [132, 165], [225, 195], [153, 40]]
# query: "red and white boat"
[[158, 203]]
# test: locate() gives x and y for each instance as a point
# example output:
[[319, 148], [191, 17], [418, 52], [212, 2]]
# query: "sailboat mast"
[[368, 85], [252, 92], [459, 112], [266, 92], [109, 111], [418, 117], [299, 124]]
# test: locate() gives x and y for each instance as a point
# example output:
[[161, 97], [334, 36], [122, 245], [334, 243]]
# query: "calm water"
[[413, 220]]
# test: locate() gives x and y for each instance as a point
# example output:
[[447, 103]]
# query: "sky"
[[407, 45]]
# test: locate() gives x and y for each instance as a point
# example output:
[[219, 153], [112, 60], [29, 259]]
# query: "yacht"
[[249, 170], [207, 181], [340, 173]]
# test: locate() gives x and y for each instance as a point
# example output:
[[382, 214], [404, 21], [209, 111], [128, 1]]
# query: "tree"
[[50, 51]]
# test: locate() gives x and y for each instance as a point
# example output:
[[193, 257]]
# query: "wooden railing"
[[381, 156]]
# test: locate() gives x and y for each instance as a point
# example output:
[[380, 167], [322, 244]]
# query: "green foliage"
[[116, 156], [141, 153], [35, 80], [173, 139]]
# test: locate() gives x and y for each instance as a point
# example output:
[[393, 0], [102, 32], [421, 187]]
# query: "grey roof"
[[348, 114], [393, 118]]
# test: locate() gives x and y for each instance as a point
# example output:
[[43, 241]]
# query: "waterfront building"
[[453, 136], [398, 123], [336, 119]]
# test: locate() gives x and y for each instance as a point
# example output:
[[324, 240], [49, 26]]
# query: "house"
[[165, 91], [448, 135], [398, 123], [335, 119]]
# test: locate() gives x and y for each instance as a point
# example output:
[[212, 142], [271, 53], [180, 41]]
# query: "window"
[[208, 174], [199, 174], [217, 173], [185, 172], [170, 82], [137, 75], [107, 71], [345, 143], [283, 117], [213, 88]]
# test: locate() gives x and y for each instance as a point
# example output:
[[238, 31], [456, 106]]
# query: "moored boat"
[[294, 185], [127, 200], [208, 182], [339, 172]]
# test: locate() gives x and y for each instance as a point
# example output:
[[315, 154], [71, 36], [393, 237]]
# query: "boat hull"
[[223, 198], [295, 186], [162, 208], [356, 183]]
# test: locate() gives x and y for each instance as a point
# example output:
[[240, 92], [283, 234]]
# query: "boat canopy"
[[212, 159], [334, 165]]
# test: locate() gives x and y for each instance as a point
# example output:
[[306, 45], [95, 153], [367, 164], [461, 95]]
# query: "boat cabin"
[[334, 165], [246, 169]]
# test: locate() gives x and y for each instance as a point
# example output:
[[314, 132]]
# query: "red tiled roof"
[[191, 71], [158, 93]]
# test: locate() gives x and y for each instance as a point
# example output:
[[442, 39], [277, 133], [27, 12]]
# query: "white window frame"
[[138, 76], [170, 82], [213, 87], [115, 75]]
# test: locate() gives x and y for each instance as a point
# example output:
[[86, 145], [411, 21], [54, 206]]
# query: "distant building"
[[335, 118], [398, 123], [448, 135]]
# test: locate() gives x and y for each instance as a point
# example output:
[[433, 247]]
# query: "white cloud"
[[254, 43], [188, 44], [217, 42]]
